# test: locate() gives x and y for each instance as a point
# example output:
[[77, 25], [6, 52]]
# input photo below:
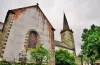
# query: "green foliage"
[[40, 54], [63, 57], [91, 40], [14, 63], [9, 63]]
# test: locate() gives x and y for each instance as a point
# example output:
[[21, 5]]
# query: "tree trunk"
[[92, 62], [81, 61], [88, 63], [38, 61]]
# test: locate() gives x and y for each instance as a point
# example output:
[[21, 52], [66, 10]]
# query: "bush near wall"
[[19, 64]]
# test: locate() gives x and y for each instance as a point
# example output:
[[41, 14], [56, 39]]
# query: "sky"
[[79, 13]]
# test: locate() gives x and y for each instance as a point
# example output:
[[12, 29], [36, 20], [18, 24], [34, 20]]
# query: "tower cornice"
[[66, 30]]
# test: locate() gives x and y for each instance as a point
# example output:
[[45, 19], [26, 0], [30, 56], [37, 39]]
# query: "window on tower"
[[71, 36], [64, 36]]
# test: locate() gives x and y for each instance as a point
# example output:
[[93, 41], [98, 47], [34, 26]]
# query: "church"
[[26, 27]]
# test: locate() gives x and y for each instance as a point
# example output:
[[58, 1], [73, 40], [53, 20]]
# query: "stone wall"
[[22, 22]]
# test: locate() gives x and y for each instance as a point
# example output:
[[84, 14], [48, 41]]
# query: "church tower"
[[67, 35]]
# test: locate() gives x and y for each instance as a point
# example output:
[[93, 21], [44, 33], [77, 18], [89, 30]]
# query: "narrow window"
[[32, 39]]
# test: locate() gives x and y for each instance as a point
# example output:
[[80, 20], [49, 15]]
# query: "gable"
[[19, 11]]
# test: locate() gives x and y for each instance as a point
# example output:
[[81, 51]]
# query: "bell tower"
[[67, 35]]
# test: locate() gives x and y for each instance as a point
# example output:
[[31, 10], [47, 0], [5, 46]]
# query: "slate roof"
[[1, 25], [63, 45]]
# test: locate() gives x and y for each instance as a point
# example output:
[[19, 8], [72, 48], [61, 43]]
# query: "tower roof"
[[65, 23]]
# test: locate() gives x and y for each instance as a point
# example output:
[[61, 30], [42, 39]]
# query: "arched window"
[[32, 39]]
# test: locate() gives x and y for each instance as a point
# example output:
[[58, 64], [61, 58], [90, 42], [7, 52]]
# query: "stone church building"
[[26, 27]]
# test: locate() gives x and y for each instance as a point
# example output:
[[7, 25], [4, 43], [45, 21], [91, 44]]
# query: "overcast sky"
[[80, 14]]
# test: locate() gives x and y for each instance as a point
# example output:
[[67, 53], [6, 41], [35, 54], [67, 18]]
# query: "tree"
[[40, 54], [63, 57], [91, 43]]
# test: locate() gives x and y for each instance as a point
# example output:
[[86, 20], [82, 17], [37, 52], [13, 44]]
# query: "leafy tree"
[[40, 54], [63, 57], [91, 43]]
